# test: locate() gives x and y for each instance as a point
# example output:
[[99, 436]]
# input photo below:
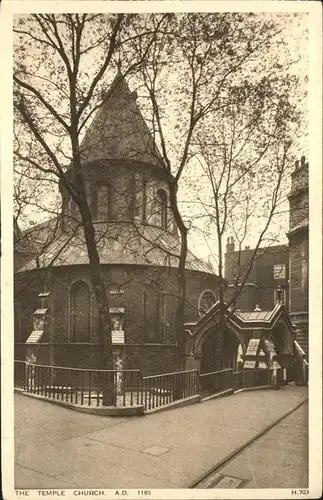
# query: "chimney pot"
[[303, 160], [230, 244]]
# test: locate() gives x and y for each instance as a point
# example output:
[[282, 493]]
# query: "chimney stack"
[[230, 244], [301, 164]]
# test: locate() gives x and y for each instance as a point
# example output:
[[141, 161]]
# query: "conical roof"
[[118, 243], [118, 130]]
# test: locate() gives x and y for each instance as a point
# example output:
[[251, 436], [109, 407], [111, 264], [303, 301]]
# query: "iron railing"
[[79, 385], [19, 374], [237, 378], [215, 382], [160, 390], [256, 378], [88, 387]]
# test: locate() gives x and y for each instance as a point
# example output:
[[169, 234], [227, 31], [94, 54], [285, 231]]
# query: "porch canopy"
[[239, 327]]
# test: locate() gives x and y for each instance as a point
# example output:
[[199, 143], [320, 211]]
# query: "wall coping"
[[176, 404], [143, 344], [108, 411]]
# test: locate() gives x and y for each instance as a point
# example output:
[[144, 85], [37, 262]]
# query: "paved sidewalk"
[[60, 448], [278, 458]]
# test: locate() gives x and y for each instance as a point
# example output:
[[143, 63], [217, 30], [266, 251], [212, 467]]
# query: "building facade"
[[267, 282], [208, 349], [298, 251], [278, 274]]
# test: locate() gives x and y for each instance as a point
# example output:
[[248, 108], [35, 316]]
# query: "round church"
[[138, 244]]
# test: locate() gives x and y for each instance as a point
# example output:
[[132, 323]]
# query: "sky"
[[205, 248]]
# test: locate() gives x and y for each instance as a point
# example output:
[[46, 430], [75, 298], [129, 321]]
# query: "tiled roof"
[[254, 315], [33, 240], [119, 131], [118, 243], [244, 320]]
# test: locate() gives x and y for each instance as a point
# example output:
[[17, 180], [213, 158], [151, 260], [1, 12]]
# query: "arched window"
[[138, 197], [161, 212], [102, 203], [206, 300], [154, 313], [80, 312]]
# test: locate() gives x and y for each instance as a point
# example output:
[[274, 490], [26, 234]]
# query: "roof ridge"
[[118, 130]]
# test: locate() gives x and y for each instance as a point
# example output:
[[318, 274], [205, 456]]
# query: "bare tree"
[[213, 57], [54, 98], [246, 163], [220, 62]]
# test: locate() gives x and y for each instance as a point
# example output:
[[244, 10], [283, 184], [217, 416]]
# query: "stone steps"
[[302, 339]]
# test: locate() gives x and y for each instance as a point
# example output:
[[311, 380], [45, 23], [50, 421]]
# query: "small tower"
[[298, 251], [230, 260], [230, 244]]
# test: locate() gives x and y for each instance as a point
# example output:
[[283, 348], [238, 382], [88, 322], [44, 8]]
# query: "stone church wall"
[[124, 181], [142, 349]]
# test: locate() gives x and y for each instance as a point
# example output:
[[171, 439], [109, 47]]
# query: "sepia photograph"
[[161, 268]]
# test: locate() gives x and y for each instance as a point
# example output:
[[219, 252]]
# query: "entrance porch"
[[209, 348]]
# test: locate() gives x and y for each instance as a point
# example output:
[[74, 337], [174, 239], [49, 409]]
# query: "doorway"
[[208, 360]]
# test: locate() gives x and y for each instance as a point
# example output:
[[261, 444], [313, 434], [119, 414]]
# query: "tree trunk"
[[180, 312], [104, 320], [222, 306], [104, 323]]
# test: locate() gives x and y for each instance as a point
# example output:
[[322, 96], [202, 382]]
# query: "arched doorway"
[[220, 351], [208, 359], [277, 336], [283, 344], [230, 349]]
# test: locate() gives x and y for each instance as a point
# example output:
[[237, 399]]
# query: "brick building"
[[138, 245], [267, 281], [278, 274]]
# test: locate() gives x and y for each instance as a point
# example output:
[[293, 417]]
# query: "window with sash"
[[280, 296], [279, 271]]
